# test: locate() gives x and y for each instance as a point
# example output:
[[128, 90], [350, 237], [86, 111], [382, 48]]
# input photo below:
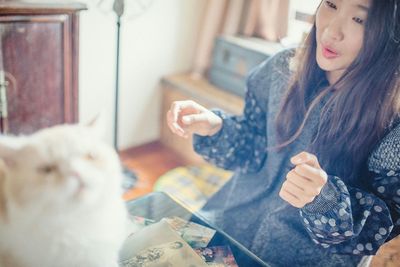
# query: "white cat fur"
[[60, 200]]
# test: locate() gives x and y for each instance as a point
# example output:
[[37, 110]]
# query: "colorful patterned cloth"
[[193, 185]]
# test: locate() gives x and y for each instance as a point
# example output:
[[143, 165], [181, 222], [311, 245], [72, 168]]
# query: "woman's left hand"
[[304, 182]]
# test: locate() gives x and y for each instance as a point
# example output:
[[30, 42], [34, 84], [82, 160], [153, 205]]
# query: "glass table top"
[[158, 205]]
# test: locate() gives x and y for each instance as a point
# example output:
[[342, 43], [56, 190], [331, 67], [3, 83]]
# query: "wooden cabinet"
[[184, 87], [39, 63]]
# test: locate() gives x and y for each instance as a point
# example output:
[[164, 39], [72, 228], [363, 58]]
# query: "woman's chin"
[[324, 64]]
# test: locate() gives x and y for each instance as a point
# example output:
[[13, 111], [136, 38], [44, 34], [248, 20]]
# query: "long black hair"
[[358, 115]]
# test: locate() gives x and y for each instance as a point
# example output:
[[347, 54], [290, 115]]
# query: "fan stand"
[[130, 178]]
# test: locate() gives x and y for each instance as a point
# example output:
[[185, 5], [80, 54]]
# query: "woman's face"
[[340, 33]]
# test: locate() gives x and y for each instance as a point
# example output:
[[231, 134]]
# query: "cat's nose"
[[78, 178], [75, 175]]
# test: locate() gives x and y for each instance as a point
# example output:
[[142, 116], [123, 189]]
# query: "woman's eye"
[[330, 4], [46, 169], [358, 20]]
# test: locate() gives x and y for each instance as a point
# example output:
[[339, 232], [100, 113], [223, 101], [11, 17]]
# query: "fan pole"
[[116, 124], [130, 178]]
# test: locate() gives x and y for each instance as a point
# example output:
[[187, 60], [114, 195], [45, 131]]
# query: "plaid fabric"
[[192, 185]]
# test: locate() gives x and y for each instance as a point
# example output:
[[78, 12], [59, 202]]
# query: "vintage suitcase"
[[234, 57]]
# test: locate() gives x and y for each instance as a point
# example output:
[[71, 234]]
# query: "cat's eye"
[[46, 169], [90, 156]]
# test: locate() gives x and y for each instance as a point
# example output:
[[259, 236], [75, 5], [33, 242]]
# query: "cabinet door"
[[37, 60]]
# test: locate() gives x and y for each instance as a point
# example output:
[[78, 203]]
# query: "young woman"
[[316, 152]]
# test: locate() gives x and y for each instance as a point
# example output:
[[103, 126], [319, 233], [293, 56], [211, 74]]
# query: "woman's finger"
[[185, 106], [291, 199], [173, 125], [170, 121], [305, 158], [299, 180], [179, 109], [194, 118], [302, 196], [310, 187], [292, 188], [315, 175]]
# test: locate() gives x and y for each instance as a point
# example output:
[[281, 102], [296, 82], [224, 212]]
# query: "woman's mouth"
[[329, 53]]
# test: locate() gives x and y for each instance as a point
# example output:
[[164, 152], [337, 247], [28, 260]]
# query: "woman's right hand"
[[187, 117]]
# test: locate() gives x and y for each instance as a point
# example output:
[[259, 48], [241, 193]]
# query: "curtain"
[[267, 19]]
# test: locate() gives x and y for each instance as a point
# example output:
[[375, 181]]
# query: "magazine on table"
[[158, 245], [172, 241]]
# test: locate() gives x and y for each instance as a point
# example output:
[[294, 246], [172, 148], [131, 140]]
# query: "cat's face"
[[61, 165]]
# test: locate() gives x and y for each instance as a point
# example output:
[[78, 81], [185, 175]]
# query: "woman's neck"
[[333, 76]]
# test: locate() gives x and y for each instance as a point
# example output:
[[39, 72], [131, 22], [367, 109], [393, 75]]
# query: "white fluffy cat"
[[60, 200]]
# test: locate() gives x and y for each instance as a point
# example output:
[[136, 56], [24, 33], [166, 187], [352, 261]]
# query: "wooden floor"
[[149, 162]]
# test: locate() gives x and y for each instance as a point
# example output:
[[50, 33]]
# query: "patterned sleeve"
[[351, 221], [241, 142]]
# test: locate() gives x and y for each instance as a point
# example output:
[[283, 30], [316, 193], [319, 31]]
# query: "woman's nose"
[[334, 29]]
